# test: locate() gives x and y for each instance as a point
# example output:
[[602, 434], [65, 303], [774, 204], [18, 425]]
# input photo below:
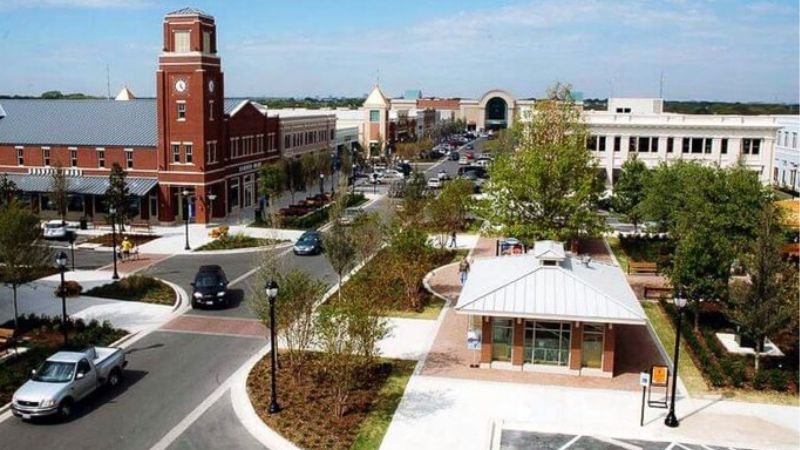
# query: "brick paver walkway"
[[135, 265], [216, 325]]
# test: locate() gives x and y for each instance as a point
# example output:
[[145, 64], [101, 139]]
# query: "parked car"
[[434, 183], [454, 156], [479, 171], [66, 378], [443, 175], [391, 174], [309, 243], [470, 147], [56, 230], [397, 189], [350, 215], [463, 160], [210, 287]]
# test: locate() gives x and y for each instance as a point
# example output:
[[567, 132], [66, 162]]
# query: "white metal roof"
[[549, 250], [520, 286]]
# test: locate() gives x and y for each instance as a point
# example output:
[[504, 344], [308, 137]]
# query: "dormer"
[[549, 253]]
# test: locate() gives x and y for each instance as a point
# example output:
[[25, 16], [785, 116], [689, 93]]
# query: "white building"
[[305, 131], [787, 154]]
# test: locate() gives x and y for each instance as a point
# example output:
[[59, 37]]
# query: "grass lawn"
[[307, 403], [230, 242], [430, 311], [622, 257], [138, 288], [689, 373]]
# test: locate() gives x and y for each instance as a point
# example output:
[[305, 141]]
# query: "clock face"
[[210, 85], [180, 85]]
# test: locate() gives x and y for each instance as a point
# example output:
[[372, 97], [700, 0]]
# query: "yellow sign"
[[659, 375]]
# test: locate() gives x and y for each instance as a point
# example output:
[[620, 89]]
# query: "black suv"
[[210, 287]]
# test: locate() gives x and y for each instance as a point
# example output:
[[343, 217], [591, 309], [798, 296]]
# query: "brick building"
[[190, 139]]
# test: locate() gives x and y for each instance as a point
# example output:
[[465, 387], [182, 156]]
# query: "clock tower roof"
[[188, 11]]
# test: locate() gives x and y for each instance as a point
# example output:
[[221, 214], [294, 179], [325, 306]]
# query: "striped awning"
[[80, 185]]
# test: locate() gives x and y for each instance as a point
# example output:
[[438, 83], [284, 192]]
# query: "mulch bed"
[[107, 241], [307, 417], [139, 288]]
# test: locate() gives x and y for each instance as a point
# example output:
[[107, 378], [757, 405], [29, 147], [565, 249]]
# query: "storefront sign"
[[247, 167], [659, 375]]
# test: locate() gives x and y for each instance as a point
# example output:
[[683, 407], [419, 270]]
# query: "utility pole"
[[108, 83], [661, 85]]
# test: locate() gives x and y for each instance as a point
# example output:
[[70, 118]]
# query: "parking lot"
[[527, 440]]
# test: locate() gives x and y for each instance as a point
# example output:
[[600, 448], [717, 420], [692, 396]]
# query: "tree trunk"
[[339, 291], [16, 312], [696, 315], [759, 347]]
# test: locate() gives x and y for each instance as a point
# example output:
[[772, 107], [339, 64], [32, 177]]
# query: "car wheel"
[[194, 304], [114, 378], [65, 409]]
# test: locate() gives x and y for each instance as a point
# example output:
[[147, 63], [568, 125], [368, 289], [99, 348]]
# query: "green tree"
[[629, 191], [409, 253], [415, 200], [273, 183], [293, 170], [547, 187], [340, 249], [310, 172], [371, 235], [448, 211], [60, 191], [766, 302], [8, 189], [118, 194], [22, 251]]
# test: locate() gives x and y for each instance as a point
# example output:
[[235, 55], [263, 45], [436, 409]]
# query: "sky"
[[706, 49]]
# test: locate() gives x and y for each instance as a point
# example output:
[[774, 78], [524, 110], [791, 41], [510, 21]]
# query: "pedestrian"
[[463, 270], [126, 246], [453, 240]]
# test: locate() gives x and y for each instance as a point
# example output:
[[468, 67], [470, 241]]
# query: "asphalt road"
[[170, 373]]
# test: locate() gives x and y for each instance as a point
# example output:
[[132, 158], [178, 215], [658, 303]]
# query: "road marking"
[[571, 441], [196, 413], [212, 333], [255, 269]]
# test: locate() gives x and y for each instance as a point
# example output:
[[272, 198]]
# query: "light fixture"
[[61, 260]]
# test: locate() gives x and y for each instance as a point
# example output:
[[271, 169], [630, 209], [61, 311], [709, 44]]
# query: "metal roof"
[[79, 122], [80, 185], [520, 286], [549, 250], [189, 11]]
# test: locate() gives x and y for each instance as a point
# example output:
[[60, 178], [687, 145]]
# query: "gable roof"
[[519, 286], [549, 250], [376, 98]]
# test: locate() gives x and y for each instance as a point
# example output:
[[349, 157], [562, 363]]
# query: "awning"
[[80, 185]]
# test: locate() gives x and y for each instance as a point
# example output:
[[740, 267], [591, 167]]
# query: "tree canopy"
[[629, 190]]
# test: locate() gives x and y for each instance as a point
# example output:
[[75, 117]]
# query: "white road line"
[[187, 421], [571, 441], [255, 269]]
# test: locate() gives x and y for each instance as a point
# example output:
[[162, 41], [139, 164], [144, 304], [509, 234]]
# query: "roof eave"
[[555, 317]]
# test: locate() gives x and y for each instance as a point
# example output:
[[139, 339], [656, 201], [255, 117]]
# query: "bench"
[[100, 223], [6, 337], [657, 292], [642, 267], [140, 224]]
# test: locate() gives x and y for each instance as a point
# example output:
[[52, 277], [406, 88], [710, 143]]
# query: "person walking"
[[463, 271], [453, 240]]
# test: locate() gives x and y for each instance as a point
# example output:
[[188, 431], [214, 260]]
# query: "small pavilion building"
[[549, 311]]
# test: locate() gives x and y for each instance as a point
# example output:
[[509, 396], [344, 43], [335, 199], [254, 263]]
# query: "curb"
[[235, 251], [429, 275]]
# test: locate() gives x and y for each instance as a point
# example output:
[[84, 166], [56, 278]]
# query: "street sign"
[[473, 340], [659, 375], [644, 379]]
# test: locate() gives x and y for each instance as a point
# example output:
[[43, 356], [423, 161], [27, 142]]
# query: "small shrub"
[[219, 232], [760, 380], [778, 380], [715, 377], [71, 289]]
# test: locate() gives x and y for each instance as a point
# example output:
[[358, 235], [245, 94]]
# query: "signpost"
[[657, 377], [644, 382], [474, 344]]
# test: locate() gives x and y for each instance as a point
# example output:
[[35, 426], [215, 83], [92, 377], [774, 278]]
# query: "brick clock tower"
[[190, 99]]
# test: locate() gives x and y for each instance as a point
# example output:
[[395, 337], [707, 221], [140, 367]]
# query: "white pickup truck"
[[66, 378]]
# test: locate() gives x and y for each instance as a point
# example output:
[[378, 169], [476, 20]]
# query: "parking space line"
[[213, 333], [571, 441]]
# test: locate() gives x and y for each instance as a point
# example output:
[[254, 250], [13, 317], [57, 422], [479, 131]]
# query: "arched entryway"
[[496, 114]]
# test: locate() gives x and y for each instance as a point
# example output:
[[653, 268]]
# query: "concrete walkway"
[[438, 413]]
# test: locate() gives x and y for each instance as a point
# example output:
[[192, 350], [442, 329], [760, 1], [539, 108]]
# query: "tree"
[[415, 200], [60, 191], [371, 235], [547, 187], [297, 298], [409, 254], [767, 302], [340, 248], [293, 168], [273, 182], [448, 211], [8, 189], [118, 195], [629, 191], [22, 252], [310, 171], [504, 141]]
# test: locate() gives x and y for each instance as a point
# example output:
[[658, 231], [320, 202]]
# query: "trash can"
[[83, 223], [257, 215]]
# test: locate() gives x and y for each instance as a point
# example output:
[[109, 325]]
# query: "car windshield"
[[55, 372], [352, 212], [207, 280], [307, 239], [53, 225]]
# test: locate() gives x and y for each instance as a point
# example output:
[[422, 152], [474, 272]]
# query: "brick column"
[[609, 343], [486, 340], [575, 344], [519, 334], [201, 213], [165, 200]]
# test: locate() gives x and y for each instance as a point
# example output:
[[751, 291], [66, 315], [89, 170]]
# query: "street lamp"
[[72, 237], [353, 174], [61, 261], [186, 194], [680, 302], [321, 189], [113, 211], [272, 292]]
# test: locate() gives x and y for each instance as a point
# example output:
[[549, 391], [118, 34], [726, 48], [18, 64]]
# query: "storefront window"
[[592, 348], [546, 343], [502, 335], [75, 203], [233, 193]]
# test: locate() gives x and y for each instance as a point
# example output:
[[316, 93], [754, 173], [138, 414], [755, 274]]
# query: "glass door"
[[592, 347], [502, 339]]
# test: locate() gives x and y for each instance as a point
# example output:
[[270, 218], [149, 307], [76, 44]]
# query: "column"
[[519, 334], [576, 341], [486, 340], [201, 214], [609, 342], [165, 199]]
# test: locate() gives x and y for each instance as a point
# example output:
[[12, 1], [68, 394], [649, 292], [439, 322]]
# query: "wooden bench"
[[657, 292], [6, 337], [100, 223], [140, 224], [642, 267]]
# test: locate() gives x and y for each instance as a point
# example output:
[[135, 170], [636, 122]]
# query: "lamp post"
[[211, 198], [113, 211], [72, 248], [321, 188], [680, 302], [186, 194], [353, 174], [272, 292], [61, 261]]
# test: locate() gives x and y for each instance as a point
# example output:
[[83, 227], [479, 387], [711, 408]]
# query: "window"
[[751, 146], [333, 134], [707, 145], [233, 193], [181, 110], [287, 141], [502, 339], [546, 343], [206, 42], [601, 144], [592, 346], [644, 145], [685, 145], [129, 158], [623, 110], [374, 115], [46, 156], [211, 110], [211, 152], [101, 157], [670, 144], [176, 153], [631, 144], [20, 156], [775, 174], [794, 140], [182, 41], [617, 143], [591, 143], [73, 157], [697, 145], [187, 152], [653, 145], [723, 146]]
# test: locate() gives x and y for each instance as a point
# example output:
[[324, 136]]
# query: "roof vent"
[[550, 253]]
